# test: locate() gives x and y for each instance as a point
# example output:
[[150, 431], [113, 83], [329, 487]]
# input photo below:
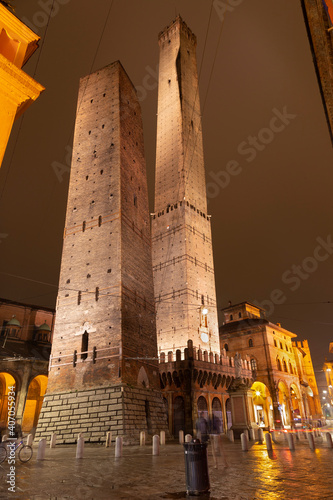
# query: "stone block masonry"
[[123, 410]]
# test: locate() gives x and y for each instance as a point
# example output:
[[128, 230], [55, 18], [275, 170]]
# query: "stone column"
[[241, 399]]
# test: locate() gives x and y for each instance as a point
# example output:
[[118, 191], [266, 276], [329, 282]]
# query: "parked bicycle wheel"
[[3, 453], [25, 453]]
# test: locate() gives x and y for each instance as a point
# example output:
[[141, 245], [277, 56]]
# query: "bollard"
[[252, 435], [311, 441], [181, 437], [30, 439], [268, 440], [246, 432], [244, 441], [290, 440], [41, 449], [156, 445], [188, 438], [273, 436], [231, 436], [297, 435], [53, 440], [119, 447], [261, 436], [108, 439], [329, 440], [142, 438], [162, 437], [80, 447]]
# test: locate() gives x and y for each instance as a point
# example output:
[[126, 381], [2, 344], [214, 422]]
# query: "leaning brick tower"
[[183, 266], [103, 372]]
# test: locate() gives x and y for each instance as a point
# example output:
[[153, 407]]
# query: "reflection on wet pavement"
[[254, 475]]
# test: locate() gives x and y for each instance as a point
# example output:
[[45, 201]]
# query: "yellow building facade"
[[285, 391], [17, 89]]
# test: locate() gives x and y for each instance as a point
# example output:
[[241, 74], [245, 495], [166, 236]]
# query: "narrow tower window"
[[84, 346]]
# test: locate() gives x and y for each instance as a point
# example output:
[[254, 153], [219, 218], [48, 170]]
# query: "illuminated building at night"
[[25, 345], [17, 89], [318, 16], [103, 371], [285, 390]]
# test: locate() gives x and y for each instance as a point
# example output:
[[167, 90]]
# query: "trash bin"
[[196, 467]]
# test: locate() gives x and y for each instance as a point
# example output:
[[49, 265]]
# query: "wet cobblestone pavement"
[[283, 474]]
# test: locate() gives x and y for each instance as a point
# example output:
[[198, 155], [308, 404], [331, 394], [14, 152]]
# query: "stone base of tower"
[[123, 410]]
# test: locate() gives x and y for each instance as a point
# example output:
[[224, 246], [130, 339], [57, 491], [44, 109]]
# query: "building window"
[[253, 365], [226, 347], [231, 317], [84, 346], [285, 369], [279, 365], [275, 343], [250, 343], [239, 315], [281, 346]]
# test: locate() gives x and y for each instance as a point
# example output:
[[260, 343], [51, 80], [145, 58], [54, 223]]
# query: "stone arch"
[[202, 407], [6, 380], [143, 378], [217, 416], [296, 404], [262, 404], [33, 403], [283, 403]]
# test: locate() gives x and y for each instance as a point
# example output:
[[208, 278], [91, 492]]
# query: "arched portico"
[[262, 402], [6, 382], [33, 404]]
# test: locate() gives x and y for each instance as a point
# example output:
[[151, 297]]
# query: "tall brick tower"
[[181, 231], [103, 372]]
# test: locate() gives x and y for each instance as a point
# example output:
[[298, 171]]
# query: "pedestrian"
[[202, 428]]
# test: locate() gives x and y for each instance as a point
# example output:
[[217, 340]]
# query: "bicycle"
[[24, 451]]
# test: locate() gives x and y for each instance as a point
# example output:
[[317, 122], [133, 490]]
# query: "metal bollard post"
[[231, 436], [80, 447], [41, 449], [311, 441], [245, 442], [53, 440], [252, 435], [261, 436], [268, 440], [162, 437], [30, 439], [181, 437], [142, 438], [290, 440], [119, 447], [156, 445], [108, 439], [329, 440], [188, 438]]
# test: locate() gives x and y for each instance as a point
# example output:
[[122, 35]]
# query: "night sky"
[[267, 149]]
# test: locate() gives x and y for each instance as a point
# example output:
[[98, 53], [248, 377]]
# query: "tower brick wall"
[[104, 340], [181, 233]]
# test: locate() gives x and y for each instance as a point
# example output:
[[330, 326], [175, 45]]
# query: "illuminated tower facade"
[[318, 16], [181, 231], [103, 372], [17, 89]]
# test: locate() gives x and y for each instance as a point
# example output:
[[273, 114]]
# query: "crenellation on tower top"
[[177, 26]]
